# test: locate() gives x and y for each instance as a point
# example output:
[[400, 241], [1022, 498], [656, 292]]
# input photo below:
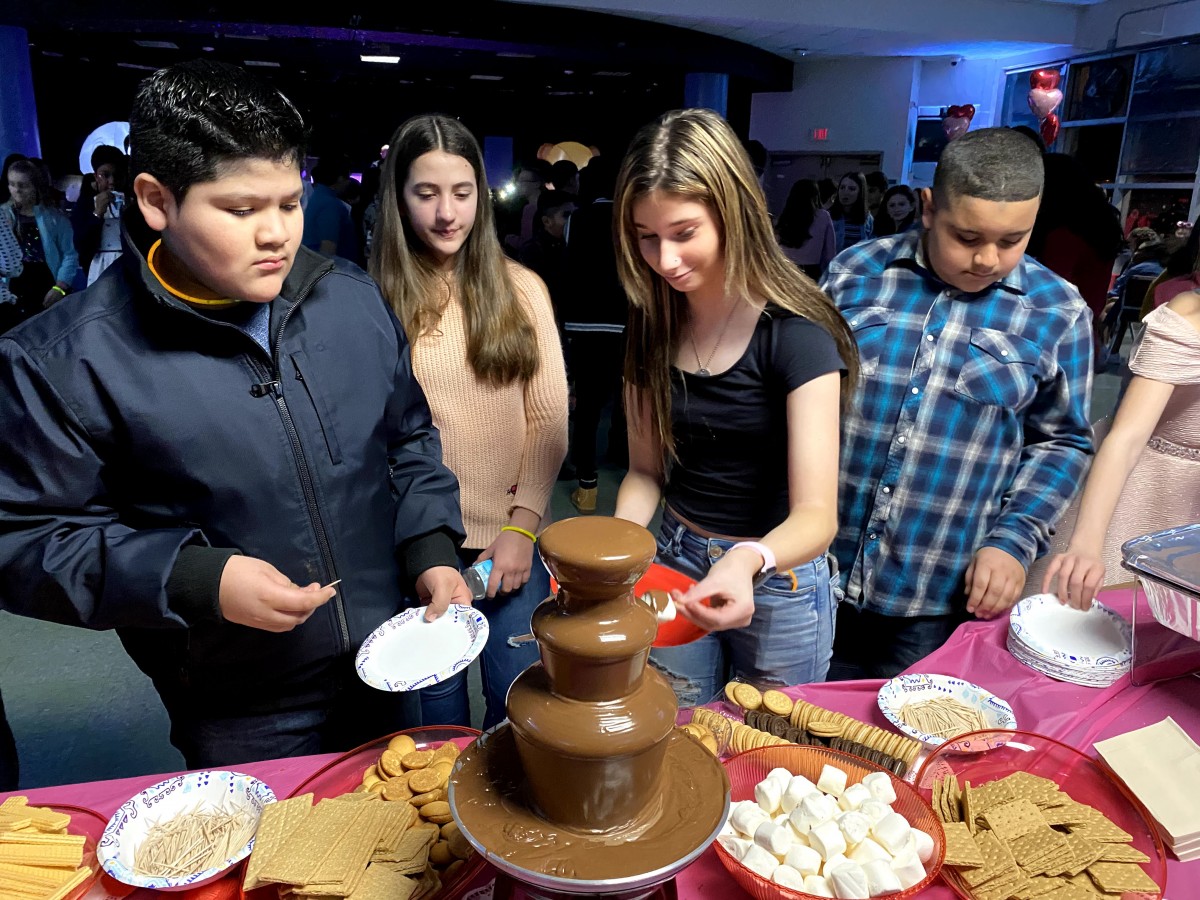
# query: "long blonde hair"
[[693, 154], [501, 343]]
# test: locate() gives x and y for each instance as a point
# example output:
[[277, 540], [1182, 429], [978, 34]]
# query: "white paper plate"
[[904, 689], [1096, 638], [406, 652], [183, 793]]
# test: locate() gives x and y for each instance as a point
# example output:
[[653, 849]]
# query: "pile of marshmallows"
[[826, 838]]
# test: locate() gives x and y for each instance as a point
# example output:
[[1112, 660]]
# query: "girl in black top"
[[733, 372]]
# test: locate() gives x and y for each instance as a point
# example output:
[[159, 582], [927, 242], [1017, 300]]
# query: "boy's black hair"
[[550, 201], [192, 118], [106, 153], [877, 180], [998, 164], [562, 173]]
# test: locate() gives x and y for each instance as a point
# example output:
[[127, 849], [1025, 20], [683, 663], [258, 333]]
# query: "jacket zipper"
[[274, 387]]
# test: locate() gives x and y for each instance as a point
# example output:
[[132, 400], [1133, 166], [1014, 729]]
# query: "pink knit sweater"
[[505, 444]]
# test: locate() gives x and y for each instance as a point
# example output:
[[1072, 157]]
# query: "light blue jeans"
[[789, 640], [508, 615]]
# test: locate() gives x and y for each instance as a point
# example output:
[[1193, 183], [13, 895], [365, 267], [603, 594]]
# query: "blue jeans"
[[508, 615], [872, 645], [789, 640]]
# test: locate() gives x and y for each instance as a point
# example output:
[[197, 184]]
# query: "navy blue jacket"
[[141, 444]]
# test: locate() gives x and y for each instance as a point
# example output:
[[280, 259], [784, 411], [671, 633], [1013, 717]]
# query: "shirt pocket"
[[1000, 369], [869, 327], [321, 407]]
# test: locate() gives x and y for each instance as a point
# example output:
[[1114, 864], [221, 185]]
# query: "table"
[[1073, 714]]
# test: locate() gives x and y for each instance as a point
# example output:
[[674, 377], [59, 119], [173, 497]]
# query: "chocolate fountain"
[[588, 788]]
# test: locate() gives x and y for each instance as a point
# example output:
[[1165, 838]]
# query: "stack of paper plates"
[[1090, 648]]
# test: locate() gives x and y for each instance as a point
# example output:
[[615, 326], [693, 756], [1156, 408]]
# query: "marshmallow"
[[854, 797], [849, 882], [908, 869], [874, 810], [881, 879], [827, 839], [804, 860], [892, 832], [768, 793], [747, 816], [788, 877], [735, 846], [798, 788], [832, 780], [832, 863], [924, 845], [782, 775], [778, 839], [868, 850], [817, 886], [855, 827], [880, 786], [760, 862], [812, 811]]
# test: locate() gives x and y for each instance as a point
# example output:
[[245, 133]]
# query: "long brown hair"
[[501, 343], [693, 154]]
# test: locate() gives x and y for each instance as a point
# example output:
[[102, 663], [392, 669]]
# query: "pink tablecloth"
[[1076, 715]]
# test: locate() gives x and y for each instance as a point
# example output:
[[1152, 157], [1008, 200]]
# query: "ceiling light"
[[158, 45], [378, 58], [247, 37], [487, 77], [612, 74], [511, 55], [136, 66], [261, 62]]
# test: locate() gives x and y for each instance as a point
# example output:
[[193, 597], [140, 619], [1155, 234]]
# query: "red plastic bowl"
[[1080, 776], [660, 578], [749, 768]]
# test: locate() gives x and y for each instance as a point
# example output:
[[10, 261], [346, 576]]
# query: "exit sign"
[[820, 134]]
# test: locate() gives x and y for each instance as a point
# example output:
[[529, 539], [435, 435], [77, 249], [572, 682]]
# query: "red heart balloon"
[[1046, 79], [1049, 129], [966, 111]]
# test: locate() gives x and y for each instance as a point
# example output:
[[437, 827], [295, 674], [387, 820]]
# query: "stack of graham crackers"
[[39, 860], [1021, 837], [800, 722], [343, 847]]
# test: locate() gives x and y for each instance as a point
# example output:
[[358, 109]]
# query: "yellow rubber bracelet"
[[528, 534], [55, 287]]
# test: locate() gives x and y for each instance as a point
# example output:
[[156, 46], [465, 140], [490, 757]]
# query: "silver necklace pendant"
[[703, 372]]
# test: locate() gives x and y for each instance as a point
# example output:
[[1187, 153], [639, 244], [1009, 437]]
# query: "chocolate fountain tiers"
[[589, 788]]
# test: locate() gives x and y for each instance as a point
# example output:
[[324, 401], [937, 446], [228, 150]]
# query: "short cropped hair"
[[997, 164], [191, 119], [877, 180], [106, 154]]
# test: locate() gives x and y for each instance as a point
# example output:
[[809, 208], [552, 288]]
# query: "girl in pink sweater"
[[485, 349]]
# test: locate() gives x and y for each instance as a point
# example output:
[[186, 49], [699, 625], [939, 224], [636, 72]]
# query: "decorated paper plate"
[[213, 791], [406, 652], [947, 703], [1096, 638]]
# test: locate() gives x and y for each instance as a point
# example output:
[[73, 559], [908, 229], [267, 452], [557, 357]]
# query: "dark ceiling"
[[538, 74]]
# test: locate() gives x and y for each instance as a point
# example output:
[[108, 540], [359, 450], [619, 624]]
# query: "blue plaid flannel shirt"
[[969, 427]]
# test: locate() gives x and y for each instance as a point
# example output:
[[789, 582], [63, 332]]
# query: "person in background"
[[328, 227], [851, 220], [1078, 232], [1145, 475], [564, 176], [899, 211], [828, 190], [49, 259], [734, 376], [516, 216], [216, 428], [1182, 272], [594, 313], [96, 218], [546, 252], [8, 161], [877, 185], [805, 231], [486, 350], [970, 432]]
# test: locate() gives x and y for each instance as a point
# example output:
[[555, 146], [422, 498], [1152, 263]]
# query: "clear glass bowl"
[[749, 768], [1080, 776]]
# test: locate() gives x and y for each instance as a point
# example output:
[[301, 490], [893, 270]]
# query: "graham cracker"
[[1122, 853], [381, 883], [301, 855], [961, 849], [1115, 877], [277, 822], [1012, 819]]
